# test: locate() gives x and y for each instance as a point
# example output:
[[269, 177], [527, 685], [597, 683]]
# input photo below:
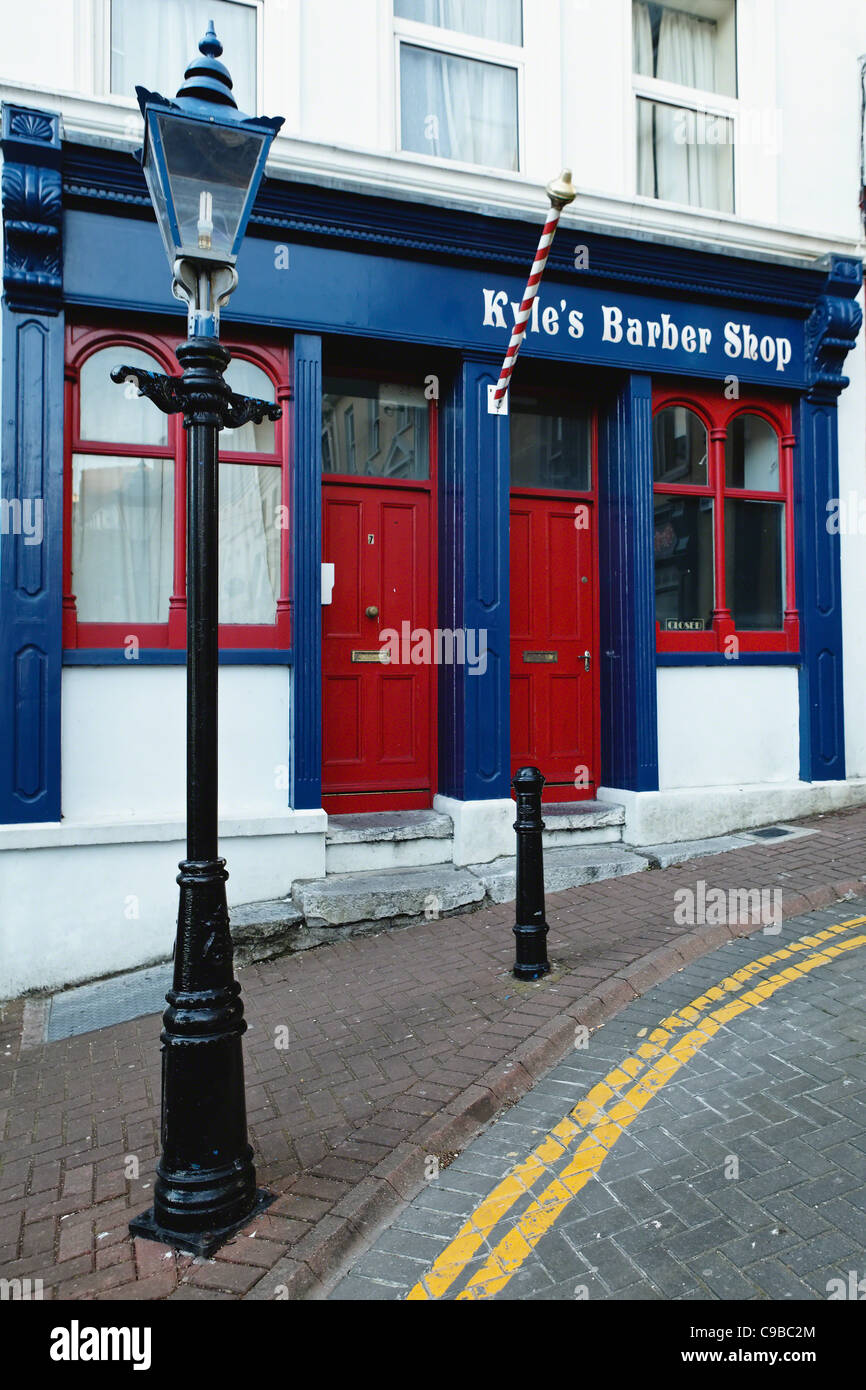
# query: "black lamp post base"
[[201, 1243], [531, 972]]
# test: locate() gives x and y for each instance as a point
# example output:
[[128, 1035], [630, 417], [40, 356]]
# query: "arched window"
[[724, 572], [126, 508]]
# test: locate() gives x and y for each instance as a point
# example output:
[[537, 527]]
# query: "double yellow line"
[[592, 1128]]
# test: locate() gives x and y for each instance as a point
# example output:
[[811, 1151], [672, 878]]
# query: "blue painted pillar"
[[830, 334], [31, 460], [629, 721], [306, 461], [474, 709]]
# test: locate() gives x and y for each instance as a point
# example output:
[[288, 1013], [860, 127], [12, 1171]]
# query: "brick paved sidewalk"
[[401, 1045]]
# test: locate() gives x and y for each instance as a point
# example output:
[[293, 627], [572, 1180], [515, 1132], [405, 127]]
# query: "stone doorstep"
[[563, 868], [368, 828]]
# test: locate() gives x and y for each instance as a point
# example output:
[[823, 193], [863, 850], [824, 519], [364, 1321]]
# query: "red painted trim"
[[716, 413]]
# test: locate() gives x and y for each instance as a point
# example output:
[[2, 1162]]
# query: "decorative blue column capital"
[[32, 209], [832, 328]]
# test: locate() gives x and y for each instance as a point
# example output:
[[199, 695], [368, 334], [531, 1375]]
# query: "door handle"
[[587, 658], [372, 611]]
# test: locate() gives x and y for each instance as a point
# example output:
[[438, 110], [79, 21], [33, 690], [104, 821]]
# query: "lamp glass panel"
[[207, 158]]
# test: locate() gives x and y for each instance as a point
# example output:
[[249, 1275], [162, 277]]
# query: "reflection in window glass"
[[117, 414], [249, 543], [675, 44], [500, 21], [752, 455], [458, 108], [122, 538], [679, 447], [683, 547], [151, 43], [685, 156], [755, 563], [374, 431], [246, 379], [549, 450]]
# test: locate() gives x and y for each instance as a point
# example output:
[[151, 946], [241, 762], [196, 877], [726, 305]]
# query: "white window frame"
[[459, 45], [102, 57], [689, 99]]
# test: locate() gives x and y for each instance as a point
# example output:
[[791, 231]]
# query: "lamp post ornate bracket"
[[174, 395]]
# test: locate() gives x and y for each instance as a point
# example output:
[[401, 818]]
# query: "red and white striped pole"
[[561, 192]]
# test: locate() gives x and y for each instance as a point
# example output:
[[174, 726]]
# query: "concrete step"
[[377, 841], [395, 895], [262, 930], [582, 823], [563, 868]]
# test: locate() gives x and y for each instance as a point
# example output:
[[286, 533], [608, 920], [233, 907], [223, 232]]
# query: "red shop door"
[[377, 719], [554, 724]]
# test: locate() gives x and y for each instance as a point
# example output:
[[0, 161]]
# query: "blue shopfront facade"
[[616, 317]]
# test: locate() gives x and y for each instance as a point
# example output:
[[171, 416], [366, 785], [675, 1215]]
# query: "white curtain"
[[249, 558], [642, 43], [458, 108], [151, 44], [497, 20], [687, 167], [122, 538]]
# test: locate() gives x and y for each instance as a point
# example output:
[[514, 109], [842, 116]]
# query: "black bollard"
[[530, 929]]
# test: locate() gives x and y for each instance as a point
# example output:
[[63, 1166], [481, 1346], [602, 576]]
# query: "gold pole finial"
[[562, 191]]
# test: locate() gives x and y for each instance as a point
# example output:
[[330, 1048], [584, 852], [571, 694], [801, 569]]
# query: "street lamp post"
[[203, 161]]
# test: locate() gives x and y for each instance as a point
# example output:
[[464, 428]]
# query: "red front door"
[[377, 718], [553, 643]]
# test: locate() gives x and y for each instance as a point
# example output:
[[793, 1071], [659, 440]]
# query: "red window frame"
[[82, 341], [716, 415]]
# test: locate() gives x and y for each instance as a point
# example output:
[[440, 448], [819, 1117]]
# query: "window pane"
[[549, 450], [684, 562], [247, 379], [690, 42], [499, 20], [249, 555], [374, 431], [685, 156], [679, 447], [152, 41], [457, 108], [755, 563], [752, 455], [117, 414], [122, 538]]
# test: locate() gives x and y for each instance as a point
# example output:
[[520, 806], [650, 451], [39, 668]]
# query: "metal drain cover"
[[771, 832], [90, 1007]]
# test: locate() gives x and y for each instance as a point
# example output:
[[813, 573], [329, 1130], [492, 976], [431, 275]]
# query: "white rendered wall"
[[720, 726], [124, 742]]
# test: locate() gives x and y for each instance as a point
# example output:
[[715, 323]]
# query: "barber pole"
[[561, 192]]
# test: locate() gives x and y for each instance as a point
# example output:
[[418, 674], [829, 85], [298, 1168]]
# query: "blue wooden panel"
[[629, 728], [474, 708], [819, 596], [468, 307], [306, 464], [31, 566]]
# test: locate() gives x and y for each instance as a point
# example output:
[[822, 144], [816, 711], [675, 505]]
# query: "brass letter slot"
[[381, 655], [540, 656]]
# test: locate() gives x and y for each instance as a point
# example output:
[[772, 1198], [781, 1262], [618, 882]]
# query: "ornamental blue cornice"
[[832, 327], [32, 199], [111, 180]]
